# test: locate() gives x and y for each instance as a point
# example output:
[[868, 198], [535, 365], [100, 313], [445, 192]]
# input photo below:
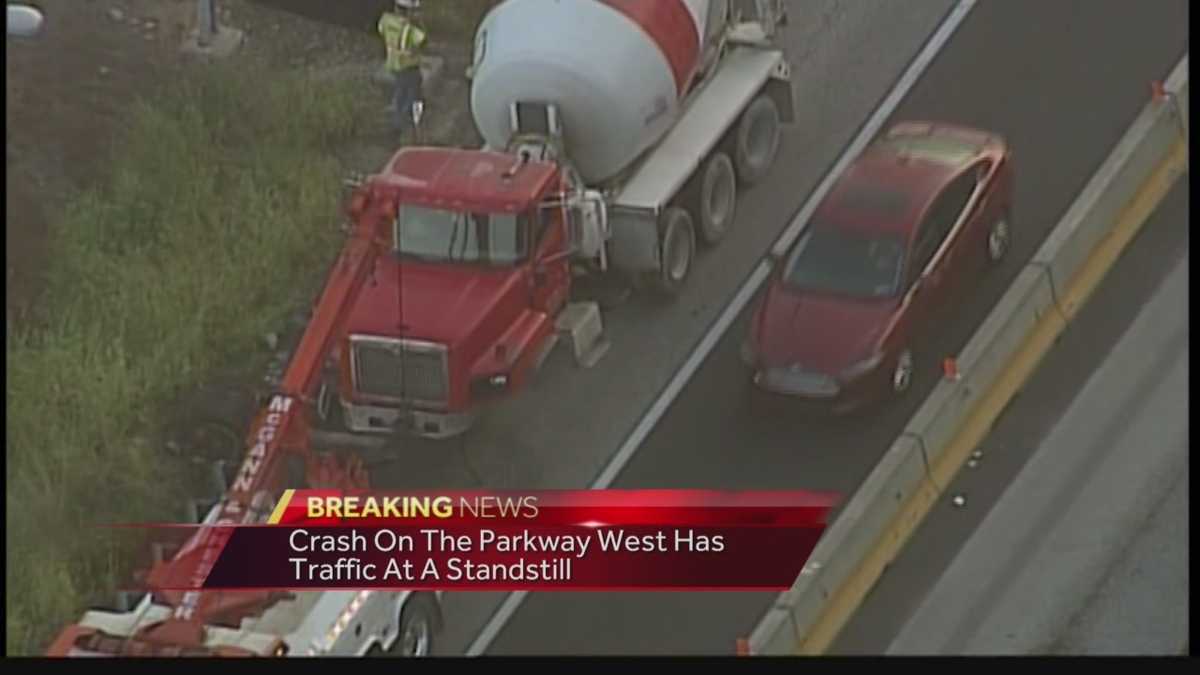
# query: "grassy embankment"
[[221, 203]]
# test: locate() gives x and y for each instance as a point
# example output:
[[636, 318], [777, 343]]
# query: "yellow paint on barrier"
[[847, 599]]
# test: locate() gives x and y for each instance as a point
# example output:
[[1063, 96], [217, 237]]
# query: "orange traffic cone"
[[743, 647], [1157, 91], [950, 369]]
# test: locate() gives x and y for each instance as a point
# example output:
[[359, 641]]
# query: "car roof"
[[888, 186]]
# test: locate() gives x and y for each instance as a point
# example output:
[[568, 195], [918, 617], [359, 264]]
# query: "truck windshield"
[[845, 262], [438, 235]]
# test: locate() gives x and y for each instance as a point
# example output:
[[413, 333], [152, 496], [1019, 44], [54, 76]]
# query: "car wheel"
[[415, 636], [902, 373], [999, 238]]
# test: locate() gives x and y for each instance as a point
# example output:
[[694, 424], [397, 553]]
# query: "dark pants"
[[407, 89]]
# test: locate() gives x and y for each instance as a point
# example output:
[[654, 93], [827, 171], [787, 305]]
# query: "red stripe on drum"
[[671, 26]]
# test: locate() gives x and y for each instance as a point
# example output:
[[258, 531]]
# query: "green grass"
[[457, 19], [222, 202]]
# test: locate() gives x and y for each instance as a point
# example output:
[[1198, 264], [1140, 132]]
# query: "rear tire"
[[714, 198], [677, 245], [415, 629], [756, 140], [215, 426]]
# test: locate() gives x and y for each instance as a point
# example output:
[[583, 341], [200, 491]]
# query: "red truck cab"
[[463, 306]]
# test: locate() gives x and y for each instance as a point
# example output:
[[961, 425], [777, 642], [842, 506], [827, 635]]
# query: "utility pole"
[[206, 22]]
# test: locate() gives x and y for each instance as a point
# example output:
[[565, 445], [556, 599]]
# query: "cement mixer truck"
[[618, 134]]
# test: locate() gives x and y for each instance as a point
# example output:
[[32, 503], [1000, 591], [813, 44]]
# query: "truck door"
[[551, 273]]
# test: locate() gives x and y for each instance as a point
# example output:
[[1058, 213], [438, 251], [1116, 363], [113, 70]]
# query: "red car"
[[923, 211]]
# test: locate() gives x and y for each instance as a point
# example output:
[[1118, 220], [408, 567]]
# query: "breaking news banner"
[[506, 541]]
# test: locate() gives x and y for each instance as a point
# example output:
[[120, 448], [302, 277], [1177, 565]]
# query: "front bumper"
[[373, 419], [819, 396]]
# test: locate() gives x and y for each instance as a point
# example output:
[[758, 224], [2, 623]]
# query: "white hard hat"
[[408, 4]]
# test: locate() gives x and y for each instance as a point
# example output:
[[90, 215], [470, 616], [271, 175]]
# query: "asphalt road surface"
[[1061, 81], [564, 431], [1110, 551]]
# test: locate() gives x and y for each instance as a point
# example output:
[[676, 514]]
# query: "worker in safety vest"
[[404, 38]]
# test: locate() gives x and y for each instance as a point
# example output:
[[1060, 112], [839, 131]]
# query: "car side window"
[[951, 204], [939, 220]]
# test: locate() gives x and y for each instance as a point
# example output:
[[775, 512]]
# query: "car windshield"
[[437, 235], [847, 262]]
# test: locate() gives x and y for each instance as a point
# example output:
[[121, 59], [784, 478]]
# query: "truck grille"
[[401, 370]]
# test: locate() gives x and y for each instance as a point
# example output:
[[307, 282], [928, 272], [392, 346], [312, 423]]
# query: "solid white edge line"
[[650, 419]]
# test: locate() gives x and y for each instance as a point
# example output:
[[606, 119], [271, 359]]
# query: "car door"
[[917, 302], [984, 210], [949, 214]]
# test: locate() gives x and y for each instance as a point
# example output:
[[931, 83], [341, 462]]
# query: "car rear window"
[[940, 149], [847, 262], [870, 203]]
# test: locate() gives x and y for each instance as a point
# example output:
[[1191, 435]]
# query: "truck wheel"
[[215, 425], [677, 243], [715, 198], [414, 636], [756, 140]]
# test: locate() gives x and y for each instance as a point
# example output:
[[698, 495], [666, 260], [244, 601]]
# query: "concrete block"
[[858, 529], [982, 360], [222, 44], [990, 351], [580, 322], [1090, 218], [1177, 85], [775, 634]]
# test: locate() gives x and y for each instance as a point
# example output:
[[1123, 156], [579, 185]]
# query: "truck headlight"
[[862, 367], [491, 385]]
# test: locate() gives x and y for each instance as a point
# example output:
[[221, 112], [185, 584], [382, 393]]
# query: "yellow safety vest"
[[402, 39]]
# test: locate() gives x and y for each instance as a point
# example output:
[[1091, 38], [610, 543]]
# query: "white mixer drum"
[[616, 69]]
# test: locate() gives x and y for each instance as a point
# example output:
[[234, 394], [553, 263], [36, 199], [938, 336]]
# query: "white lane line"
[[652, 416]]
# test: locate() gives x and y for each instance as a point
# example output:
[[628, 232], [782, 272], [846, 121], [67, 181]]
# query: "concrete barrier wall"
[[869, 524]]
